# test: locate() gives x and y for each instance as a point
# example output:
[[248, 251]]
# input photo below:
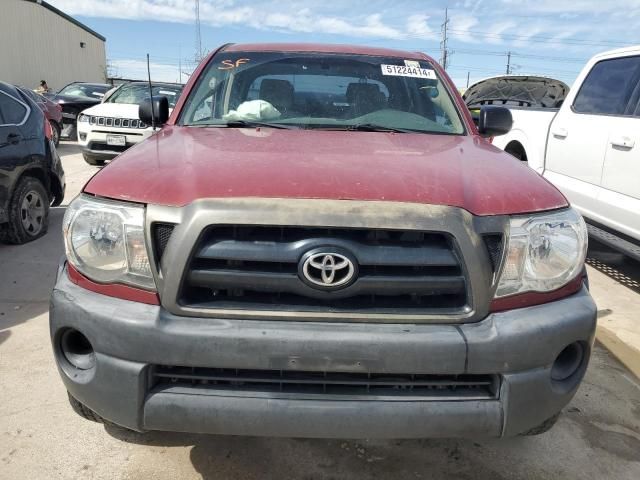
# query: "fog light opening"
[[568, 362], [77, 349]]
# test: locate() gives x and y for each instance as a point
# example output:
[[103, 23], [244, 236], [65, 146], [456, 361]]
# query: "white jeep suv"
[[109, 128]]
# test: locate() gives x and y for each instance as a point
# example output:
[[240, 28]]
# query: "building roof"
[[68, 17]]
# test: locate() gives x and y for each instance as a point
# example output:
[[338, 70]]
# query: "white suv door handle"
[[560, 132], [622, 142]]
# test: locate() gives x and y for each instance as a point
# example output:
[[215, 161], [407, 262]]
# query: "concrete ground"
[[41, 438]]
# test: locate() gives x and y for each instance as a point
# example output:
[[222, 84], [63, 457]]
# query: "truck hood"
[[181, 164], [517, 90], [116, 110], [73, 100]]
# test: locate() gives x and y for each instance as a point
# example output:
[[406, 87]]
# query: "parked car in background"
[[320, 243], [74, 98], [108, 129], [52, 111], [590, 147], [31, 174], [533, 102]]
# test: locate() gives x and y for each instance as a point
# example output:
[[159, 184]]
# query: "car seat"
[[278, 93], [364, 98]]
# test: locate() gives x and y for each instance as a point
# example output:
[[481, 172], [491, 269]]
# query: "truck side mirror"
[[494, 121], [160, 111]]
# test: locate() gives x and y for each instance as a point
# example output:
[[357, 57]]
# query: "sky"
[[545, 37]]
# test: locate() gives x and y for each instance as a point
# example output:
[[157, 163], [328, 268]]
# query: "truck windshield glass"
[[324, 91], [84, 90], [135, 93]]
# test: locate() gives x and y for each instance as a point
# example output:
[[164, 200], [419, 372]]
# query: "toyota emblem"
[[327, 269]]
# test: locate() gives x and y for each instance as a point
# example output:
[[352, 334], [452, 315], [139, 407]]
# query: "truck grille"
[[116, 122], [342, 384], [103, 147], [258, 268]]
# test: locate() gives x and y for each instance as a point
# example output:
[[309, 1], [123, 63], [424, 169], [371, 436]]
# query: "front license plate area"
[[116, 140]]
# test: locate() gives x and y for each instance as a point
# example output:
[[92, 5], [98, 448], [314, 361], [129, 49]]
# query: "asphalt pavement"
[[598, 436]]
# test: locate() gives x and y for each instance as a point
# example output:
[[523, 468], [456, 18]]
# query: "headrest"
[[279, 93], [359, 90]]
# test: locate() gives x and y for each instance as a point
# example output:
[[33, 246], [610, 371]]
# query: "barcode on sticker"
[[404, 71]]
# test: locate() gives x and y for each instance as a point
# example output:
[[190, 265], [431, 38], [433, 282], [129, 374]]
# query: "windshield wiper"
[[364, 127], [253, 123], [372, 127]]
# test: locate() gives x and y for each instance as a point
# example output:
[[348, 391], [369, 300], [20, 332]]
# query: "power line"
[[464, 51], [531, 38], [477, 69], [539, 39], [552, 58], [499, 71], [133, 56], [480, 52]]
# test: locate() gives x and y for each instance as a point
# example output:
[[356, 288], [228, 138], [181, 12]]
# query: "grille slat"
[[340, 384], [274, 282], [435, 255], [258, 267], [116, 122]]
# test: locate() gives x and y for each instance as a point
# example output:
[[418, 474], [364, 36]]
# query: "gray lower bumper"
[[100, 154], [519, 345]]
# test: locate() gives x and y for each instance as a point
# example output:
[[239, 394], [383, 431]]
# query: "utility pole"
[[444, 51], [198, 35], [179, 64], [468, 73], [508, 63]]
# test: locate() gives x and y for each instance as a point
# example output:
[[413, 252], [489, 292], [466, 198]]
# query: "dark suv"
[[31, 174]]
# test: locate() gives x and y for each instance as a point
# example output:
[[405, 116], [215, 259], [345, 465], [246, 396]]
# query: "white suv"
[[109, 128]]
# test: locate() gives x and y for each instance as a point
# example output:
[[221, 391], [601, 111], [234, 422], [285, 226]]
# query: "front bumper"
[[94, 142], [98, 133], [99, 154], [129, 338]]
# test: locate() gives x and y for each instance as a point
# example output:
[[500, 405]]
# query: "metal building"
[[39, 42]]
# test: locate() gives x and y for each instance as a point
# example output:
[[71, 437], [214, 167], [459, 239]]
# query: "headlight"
[[104, 241], [83, 118], [544, 252]]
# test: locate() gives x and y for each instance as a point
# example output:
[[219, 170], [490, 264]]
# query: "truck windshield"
[[135, 93], [85, 90], [324, 91]]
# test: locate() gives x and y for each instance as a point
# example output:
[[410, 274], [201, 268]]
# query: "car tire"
[[84, 411], [55, 132], [28, 212], [92, 160], [543, 427], [73, 133]]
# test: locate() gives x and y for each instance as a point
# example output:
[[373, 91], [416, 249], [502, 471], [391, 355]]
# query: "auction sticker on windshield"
[[404, 71]]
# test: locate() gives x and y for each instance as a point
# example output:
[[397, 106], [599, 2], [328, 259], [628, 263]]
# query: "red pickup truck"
[[318, 242]]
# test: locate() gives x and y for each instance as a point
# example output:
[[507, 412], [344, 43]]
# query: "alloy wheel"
[[32, 213]]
